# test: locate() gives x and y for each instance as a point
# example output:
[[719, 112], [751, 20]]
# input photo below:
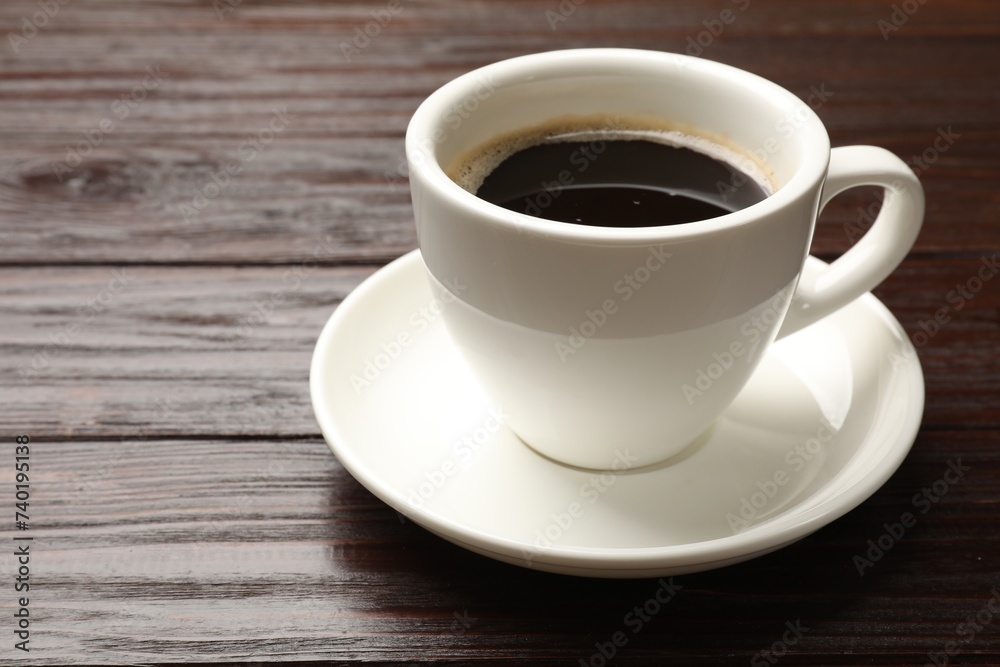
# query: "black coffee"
[[618, 183]]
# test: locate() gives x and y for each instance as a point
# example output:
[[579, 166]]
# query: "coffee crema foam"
[[471, 168]]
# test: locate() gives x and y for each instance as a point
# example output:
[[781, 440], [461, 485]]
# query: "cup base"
[[624, 461]]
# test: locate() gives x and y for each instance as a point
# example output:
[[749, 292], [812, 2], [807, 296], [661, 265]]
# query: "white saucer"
[[852, 379]]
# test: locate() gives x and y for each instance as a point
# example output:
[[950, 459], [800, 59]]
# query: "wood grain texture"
[[334, 168], [225, 351], [190, 351], [203, 550], [184, 505]]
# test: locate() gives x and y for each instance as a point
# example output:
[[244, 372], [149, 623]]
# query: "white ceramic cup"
[[606, 344]]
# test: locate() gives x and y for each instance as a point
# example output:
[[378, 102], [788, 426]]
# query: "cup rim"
[[428, 116]]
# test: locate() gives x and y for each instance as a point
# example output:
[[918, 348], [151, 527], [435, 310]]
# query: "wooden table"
[[183, 505]]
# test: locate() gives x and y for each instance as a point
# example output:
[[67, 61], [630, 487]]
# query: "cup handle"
[[879, 251]]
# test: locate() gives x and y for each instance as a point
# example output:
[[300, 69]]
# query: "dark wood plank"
[[164, 550], [204, 350], [333, 169], [179, 350]]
